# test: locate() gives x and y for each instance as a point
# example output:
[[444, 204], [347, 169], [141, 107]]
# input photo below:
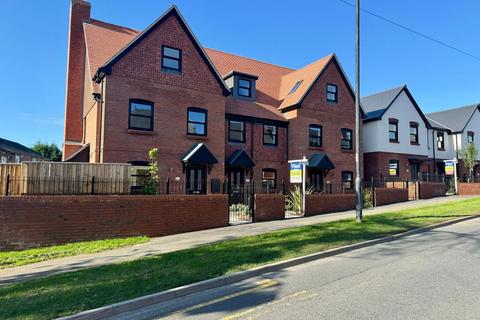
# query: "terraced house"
[[212, 115]]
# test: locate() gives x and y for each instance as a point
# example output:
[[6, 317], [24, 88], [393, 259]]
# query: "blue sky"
[[34, 40]]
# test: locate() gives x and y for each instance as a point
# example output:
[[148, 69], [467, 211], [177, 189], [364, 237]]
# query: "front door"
[[414, 169], [196, 179], [236, 176], [316, 179]]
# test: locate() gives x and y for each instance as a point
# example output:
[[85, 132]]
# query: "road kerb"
[[129, 305]]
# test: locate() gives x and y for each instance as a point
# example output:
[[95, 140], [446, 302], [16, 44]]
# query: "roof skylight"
[[295, 87]]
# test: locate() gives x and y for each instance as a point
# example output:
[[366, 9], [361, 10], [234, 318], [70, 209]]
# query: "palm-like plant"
[[294, 198]]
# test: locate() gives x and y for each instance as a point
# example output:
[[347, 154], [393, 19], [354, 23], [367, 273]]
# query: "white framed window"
[[17, 158]]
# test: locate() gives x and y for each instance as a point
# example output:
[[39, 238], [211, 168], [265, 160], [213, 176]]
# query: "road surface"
[[433, 275]]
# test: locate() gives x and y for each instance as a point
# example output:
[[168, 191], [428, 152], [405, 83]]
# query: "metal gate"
[[240, 202]]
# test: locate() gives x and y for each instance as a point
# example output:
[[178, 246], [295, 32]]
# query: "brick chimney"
[[79, 13]]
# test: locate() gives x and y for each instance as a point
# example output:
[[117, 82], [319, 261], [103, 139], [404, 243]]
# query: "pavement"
[[189, 240], [431, 275]]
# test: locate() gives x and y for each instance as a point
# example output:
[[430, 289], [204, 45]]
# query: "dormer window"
[[243, 85], [244, 88]]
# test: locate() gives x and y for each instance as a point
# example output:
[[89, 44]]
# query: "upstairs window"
[[17, 158], [440, 140], [244, 88], [171, 59], [270, 135], [269, 178], [197, 122], [332, 93], [315, 133], [295, 86], [140, 115], [346, 143], [470, 137], [236, 131], [393, 130], [347, 180], [413, 133]]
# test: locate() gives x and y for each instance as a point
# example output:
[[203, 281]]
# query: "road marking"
[[263, 284]]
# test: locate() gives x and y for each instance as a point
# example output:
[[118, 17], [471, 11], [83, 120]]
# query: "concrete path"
[[188, 240], [432, 275]]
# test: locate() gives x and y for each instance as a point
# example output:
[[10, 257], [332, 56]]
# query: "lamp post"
[[358, 188]]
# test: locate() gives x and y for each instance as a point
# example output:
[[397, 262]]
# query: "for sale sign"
[[296, 172], [449, 168]]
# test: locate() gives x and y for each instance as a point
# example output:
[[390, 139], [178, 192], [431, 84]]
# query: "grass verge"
[[11, 259], [73, 292]]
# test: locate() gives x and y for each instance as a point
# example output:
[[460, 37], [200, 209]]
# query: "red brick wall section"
[[269, 207], [428, 190], [385, 196], [326, 203], [377, 165], [469, 189], [32, 221]]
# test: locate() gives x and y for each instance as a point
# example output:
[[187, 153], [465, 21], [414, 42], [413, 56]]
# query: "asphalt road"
[[433, 275]]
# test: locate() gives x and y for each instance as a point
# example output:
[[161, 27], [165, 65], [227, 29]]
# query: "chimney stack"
[[79, 13]]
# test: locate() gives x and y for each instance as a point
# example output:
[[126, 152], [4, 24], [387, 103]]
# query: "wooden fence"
[[64, 178]]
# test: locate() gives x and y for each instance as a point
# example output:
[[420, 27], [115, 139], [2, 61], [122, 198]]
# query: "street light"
[[358, 189]]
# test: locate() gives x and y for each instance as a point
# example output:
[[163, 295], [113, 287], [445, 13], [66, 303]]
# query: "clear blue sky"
[[35, 35]]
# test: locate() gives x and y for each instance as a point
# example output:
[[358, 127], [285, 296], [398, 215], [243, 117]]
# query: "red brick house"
[[211, 114]]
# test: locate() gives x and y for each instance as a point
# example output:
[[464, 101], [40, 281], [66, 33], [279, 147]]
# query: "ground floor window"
[[269, 178], [394, 168], [196, 179], [347, 180]]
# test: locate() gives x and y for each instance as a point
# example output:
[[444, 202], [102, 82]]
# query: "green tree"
[[469, 156], [48, 151], [151, 181]]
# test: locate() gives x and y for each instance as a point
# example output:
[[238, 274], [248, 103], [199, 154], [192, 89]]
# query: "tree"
[[48, 151], [469, 156]]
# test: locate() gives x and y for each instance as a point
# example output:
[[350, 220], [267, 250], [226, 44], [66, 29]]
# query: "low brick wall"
[[31, 221], [468, 188], [428, 190], [325, 203], [385, 196], [269, 207]]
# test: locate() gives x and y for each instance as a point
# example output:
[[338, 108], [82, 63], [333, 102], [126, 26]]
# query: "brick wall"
[[377, 165], [428, 190], [327, 203], [269, 207], [385, 196], [468, 188], [32, 221]]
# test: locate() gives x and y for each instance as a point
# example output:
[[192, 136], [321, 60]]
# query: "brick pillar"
[[79, 13]]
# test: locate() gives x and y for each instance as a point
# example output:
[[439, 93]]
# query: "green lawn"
[[69, 293], [17, 258]]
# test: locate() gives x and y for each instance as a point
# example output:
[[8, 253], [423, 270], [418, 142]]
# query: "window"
[[295, 86], [347, 180], [315, 133], [236, 131], [17, 158], [269, 178], [171, 59], [346, 143], [413, 133], [270, 135], [394, 168], [244, 88], [440, 140], [140, 115], [3, 159], [197, 122], [470, 136], [393, 130], [332, 94]]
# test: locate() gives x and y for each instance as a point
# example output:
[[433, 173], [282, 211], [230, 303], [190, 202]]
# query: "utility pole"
[[358, 188]]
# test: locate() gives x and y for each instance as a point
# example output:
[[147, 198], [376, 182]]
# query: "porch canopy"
[[239, 158], [320, 160], [199, 154]]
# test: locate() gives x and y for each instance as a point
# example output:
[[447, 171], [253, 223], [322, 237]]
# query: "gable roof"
[[106, 68], [16, 147], [377, 104], [454, 119]]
